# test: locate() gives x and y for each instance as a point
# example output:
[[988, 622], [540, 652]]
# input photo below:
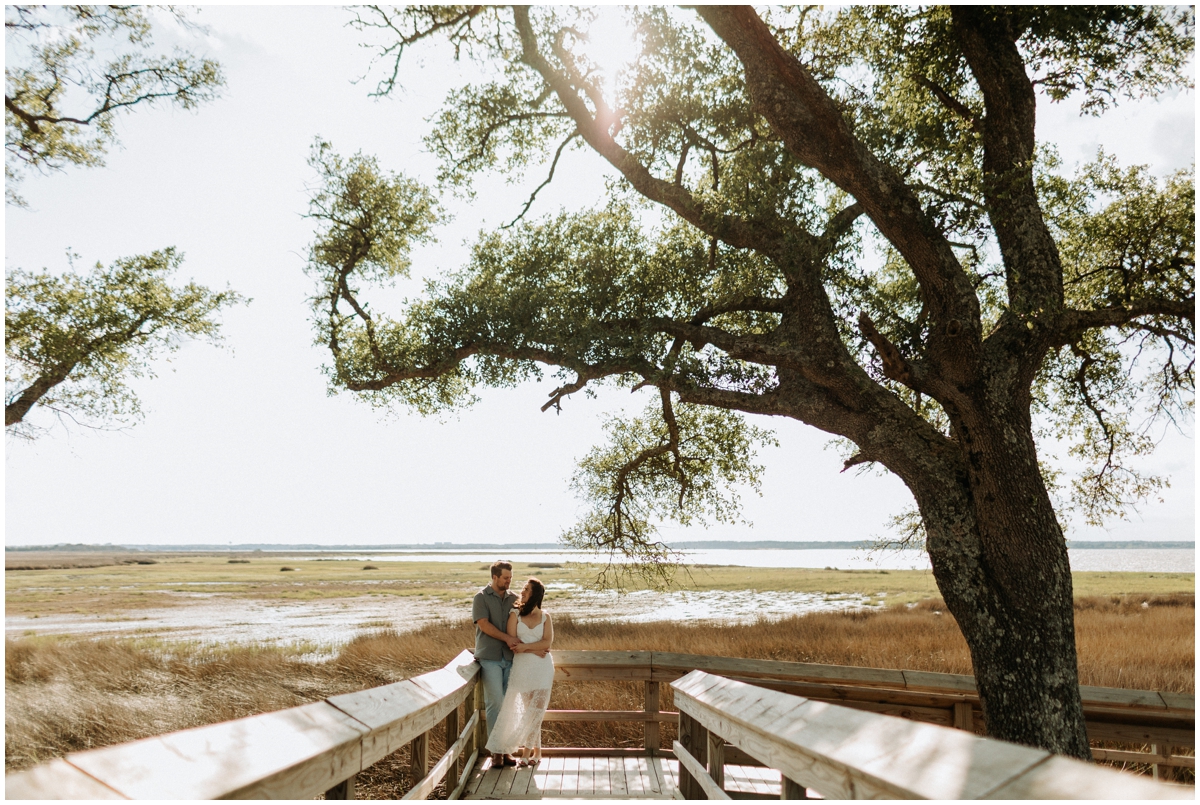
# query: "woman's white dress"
[[527, 697]]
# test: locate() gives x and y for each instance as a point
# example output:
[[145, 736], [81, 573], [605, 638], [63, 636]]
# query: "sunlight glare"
[[611, 42]]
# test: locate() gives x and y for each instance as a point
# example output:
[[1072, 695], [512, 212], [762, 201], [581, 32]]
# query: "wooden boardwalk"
[[613, 777]]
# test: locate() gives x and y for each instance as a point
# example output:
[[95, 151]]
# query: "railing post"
[[716, 759], [420, 757], [481, 734], [452, 728], [652, 702], [964, 718], [694, 738], [791, 789], [343, 790], [686, 783]]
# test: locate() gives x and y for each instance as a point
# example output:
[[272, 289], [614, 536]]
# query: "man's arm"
[[488, 629]]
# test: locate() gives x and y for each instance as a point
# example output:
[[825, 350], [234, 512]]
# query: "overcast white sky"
[[243, 444]]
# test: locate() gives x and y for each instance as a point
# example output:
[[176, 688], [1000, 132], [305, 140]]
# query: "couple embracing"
[[512, 645]]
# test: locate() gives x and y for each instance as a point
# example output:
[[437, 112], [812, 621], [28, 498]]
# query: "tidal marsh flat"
[[326, 599]]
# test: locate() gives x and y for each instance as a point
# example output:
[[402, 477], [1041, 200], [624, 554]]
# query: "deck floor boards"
[[613, 777]]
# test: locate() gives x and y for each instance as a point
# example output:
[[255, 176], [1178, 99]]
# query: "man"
[[493, 644]]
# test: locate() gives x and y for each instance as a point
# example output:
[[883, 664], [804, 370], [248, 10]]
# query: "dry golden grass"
[[67, 695]]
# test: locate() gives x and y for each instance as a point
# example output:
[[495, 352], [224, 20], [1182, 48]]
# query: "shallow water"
[[215, 618]]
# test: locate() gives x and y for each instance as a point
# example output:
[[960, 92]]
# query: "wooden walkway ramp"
[[742, 729]]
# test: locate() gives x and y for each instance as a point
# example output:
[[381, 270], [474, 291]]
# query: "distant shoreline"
[[447, 547]]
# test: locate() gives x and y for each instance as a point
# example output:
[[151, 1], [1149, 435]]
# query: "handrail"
[[291, 754], [844, 753], [317, 747], [1159, 719]]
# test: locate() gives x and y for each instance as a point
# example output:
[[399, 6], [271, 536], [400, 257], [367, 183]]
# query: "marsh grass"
[[64, 695]]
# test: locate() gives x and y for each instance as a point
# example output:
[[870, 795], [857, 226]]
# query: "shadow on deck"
[[614, 777]]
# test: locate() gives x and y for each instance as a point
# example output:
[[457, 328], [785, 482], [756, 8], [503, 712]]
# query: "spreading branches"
[[73, 341], [414, 24], [675, 462], [61, 102]]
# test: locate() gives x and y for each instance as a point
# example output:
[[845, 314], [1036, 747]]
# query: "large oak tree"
[[841, 217]]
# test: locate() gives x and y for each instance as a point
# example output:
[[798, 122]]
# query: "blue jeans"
[[495, 683]]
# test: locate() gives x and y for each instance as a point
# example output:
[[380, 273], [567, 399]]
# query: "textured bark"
[[998, 553]]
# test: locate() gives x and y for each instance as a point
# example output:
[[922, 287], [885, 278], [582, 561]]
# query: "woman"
[[520, 721]]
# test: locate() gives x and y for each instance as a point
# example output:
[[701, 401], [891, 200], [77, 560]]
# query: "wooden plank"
[[616, 777], [451, 731], [584, 787], [504, 782], [56, 780], [520, 784], [608, 715], [477, 775], [1139, 734], [716, 759], [1179, 701], [686, 784], [599, 659], [1182, 761], [730, 666], [792, 789], [601, 784], [941, 683], [649, 782], [846, 753], [594, 751], [1119, 697], [1063, 778], [396, 714], [633, 777], [428, 782], [651, 735], [664, 770], [850, 696], [537, 783], [570, 776], [487, 783], [343, 790], [419, 756], [698, 773], [466, 778], [964, 717], [554, 775], [585, 673], [292, 754]]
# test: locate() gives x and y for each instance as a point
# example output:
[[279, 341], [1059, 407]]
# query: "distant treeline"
[[709, 545]]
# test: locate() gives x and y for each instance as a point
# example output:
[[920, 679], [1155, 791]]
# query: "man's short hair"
[[499, 566]]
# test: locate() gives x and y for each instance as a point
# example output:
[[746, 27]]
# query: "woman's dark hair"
[[535, 596]]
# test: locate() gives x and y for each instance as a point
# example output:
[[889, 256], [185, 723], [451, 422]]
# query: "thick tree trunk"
[[1000, 561]]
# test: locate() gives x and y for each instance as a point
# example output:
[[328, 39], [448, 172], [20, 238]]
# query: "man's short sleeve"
[[479, 609]]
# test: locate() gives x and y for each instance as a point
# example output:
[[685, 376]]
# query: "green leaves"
[[73, 341], [61, 101], [680, 463]]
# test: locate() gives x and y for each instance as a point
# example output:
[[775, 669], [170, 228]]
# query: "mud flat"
[[326, 600]]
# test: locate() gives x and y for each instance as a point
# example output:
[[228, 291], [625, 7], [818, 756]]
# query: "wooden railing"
[[320, 747], [289, 754], [844, 753], [1163, 721]]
